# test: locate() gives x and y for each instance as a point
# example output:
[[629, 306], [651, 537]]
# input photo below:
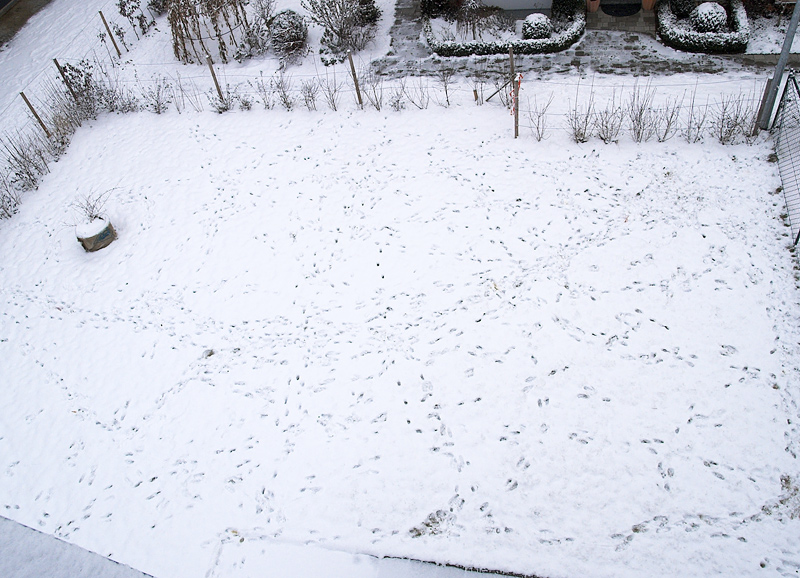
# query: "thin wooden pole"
[[355, 79], [515, 88], [111, 36], [66, 80], [214, 76], [36, 116]]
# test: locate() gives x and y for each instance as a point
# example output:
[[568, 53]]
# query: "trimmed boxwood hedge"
[[690, 40], [557, 42]]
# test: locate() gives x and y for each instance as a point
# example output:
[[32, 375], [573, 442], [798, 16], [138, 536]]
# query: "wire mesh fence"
[[787, 147]]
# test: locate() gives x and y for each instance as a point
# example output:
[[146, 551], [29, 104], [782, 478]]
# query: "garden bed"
[[566, 31], [680, 34]]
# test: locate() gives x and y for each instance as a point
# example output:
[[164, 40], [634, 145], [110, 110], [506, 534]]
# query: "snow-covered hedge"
[[560, 40], [681, 35]]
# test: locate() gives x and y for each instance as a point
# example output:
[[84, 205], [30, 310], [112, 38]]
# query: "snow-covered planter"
[[709, 17], [680, 33], [565, 34], [536, 26], [95, 234]]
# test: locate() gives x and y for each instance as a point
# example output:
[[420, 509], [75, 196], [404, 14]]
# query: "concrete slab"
[[28, 553]]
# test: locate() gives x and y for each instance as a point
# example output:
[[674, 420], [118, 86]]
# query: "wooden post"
[[36, 116], [214, 76], [111, 36], [515, 89], [355, 79], [66, 80]]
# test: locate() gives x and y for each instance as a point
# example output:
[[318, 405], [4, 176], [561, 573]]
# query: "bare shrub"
[[245, 101], [668, 119], [187, 93], [157, 95], [225, 102], [9, 197], [26, 156], [478, 88], [696, 116], [445, 80], [502, 90], [120, 34], [608, 121], [725, 118], [734, 116], [639, 110], [331, 90], [537, 113], [581, 118], [91, 206], [418, 92], [283, 90], [372, 88], [265, 90], [397, 96], [309, 89]]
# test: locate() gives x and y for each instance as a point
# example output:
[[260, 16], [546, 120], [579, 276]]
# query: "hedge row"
[[557, 42], [678, 35]]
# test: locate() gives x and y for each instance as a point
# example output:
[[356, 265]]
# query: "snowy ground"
[[323, 336]]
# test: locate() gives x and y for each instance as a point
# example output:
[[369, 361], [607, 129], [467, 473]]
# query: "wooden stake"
[[355, 79], [36, 116], [214, 76], [111, 36], [515, 88], [66, 80]]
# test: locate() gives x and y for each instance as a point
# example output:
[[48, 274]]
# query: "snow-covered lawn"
[[403, 334]]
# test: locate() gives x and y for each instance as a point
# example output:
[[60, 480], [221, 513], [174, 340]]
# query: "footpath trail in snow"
[[407, 335]]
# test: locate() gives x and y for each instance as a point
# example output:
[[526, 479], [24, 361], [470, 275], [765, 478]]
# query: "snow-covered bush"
[[347, 24], [289, 34], [536, 26], [709, 17], [566, 31], [682, 8], [680, 34]]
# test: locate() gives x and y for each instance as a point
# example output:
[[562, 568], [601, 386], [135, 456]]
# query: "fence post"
[[111, 36], [66, 80], [355, 79], [214, 76], [515, 89], [36, 116]]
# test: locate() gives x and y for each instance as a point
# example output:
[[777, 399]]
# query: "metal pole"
[[765, 114]]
